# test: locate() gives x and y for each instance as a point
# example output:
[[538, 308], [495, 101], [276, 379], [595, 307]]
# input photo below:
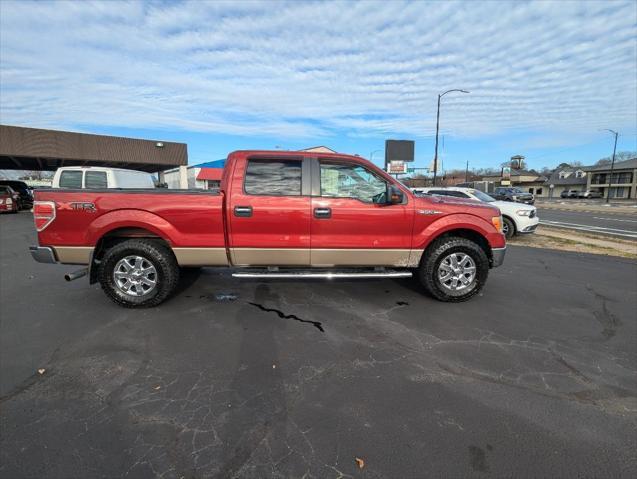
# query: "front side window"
[[95, 179], [71, 179], [342, 180], [273, 178]]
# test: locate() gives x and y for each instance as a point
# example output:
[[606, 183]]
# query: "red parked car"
[[277, 214], [8, 200]]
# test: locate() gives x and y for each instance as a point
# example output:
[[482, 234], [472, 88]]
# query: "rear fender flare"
[[130, 218]]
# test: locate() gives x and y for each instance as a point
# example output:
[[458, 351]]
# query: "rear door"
[[351, 224], [269, 212]]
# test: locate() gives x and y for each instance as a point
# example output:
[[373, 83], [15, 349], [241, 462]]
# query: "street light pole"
[[438, 129], [371, 155], [612, 165]]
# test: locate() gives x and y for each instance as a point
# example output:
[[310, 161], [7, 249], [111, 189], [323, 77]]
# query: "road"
[[536, 377], [612, 224]]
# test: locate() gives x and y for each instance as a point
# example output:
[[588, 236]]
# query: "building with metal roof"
[[38, 149]]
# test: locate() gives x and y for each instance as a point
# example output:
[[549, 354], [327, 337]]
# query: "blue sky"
[[544, 77]]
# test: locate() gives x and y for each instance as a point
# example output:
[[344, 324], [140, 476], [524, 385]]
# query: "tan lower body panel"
[[325, 257], [361, 257], [73, 254], [201, 256], [270, 257]]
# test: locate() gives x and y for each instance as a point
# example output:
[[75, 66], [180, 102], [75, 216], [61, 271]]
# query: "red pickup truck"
[[277, 214]]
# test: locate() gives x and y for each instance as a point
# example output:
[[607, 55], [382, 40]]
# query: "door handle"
[[243, 211], [322, 212]]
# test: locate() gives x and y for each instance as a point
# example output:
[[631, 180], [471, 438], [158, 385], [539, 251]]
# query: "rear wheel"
[[454, 269], [508, 227], [138, 273]]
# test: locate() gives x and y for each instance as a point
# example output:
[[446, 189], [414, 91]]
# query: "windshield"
[[482, 196]]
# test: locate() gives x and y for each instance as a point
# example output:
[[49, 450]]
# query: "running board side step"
[[323, 274]]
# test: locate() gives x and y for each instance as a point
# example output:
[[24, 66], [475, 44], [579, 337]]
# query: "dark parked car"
[[8, 200], [25, 201], [513, 194]]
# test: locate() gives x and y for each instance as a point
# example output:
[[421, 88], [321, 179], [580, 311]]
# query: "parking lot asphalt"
[[622, 225], [536, 377]]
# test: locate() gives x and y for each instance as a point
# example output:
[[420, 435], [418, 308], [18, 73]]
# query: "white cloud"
[[309, 69]]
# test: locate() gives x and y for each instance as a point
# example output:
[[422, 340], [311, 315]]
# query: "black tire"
[[508, 227], [436, 253], [157, 254]]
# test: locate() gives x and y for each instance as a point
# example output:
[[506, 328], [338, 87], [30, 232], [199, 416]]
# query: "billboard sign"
[[397, 167], [398, 150]]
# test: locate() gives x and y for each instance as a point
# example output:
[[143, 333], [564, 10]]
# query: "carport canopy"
[[37, 149]]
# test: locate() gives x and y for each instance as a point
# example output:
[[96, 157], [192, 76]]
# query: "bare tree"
[[621, 156]]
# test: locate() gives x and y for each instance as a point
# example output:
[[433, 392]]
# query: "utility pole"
[[466, 172], [438, 129], [612, 165]]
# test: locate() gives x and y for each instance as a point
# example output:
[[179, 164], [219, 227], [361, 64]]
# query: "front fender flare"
[[458, 221]]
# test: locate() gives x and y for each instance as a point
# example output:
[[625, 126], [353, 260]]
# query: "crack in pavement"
[[608, 320], [317, 324]]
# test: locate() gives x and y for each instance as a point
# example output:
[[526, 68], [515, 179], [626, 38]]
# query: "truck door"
[[351, 223], [269, 212]]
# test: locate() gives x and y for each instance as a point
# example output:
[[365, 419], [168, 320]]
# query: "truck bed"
[[184, 218]]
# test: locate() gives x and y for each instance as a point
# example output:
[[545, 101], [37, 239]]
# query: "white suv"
[[517, 218]]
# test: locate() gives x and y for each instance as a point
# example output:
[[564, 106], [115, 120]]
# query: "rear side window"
[[95, 179], [71, 179], [273, 178]]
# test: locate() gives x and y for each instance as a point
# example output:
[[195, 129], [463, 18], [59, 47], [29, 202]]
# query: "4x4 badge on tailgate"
[[76, 206]]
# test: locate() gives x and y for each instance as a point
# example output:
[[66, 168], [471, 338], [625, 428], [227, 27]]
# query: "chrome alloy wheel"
[[135, 276], [457, 271]]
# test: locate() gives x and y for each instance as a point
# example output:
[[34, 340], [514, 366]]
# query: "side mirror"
[[395, 195]]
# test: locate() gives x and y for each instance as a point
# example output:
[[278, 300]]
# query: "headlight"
[[523, 212]]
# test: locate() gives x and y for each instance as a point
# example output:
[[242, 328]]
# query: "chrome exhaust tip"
[[76, 274]]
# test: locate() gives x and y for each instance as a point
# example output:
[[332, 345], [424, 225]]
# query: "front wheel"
[[508, 228], [138, 273], [454, 269]]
